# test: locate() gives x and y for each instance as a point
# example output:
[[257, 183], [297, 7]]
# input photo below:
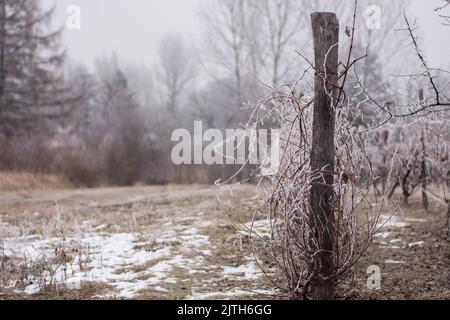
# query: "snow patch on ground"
[[416, 244], [394, 262], [256, 229], [384, 234], [93, 257], [390, 247], [392, 222], [113, 259], [389, 228], [248, 271]]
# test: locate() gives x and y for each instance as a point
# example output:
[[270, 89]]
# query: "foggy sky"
[[132, 28]]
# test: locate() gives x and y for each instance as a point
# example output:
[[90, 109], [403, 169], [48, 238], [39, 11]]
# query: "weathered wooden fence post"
[[325, 28]]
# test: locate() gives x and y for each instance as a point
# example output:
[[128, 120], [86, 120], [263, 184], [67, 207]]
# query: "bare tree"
[[446, 16], [225, 40], [276, 36], [175, 61]]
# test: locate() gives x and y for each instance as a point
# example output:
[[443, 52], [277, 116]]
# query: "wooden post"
[[325, 28]]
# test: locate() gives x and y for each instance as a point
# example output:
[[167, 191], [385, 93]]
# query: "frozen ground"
[[127, 243], [180, 243]]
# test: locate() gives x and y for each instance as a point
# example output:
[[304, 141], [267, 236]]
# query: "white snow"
[[394, 262], [384, 235], [32, 289], [104, 257], [391, 247], [250, 271], [391, 222], [258, 228], [415, 220], [416, 244], [114, 258], [129, 263]]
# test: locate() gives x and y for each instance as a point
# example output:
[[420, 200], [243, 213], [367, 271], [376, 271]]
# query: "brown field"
[[24, 181]]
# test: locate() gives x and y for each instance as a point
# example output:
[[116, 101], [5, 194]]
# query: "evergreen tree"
[[30, 61]]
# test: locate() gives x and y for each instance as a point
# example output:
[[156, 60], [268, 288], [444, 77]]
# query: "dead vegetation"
[[25, 181]]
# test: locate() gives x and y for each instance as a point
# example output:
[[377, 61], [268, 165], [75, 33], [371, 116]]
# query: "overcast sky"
[[132, 28]]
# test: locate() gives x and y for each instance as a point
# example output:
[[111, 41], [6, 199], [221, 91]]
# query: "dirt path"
[[142, 242]]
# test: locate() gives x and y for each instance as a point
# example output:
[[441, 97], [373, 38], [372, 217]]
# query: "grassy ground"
[[414, 257], [182, 242]]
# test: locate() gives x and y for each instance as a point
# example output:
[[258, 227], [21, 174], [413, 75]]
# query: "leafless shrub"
[[40, 273], [78, 165], [125, 150], [293, 245]]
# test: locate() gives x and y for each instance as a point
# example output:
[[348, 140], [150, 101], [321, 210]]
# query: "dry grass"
[[24, 181]]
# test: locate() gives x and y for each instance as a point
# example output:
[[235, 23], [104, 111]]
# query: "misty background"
[[99, 105], [133, 28]]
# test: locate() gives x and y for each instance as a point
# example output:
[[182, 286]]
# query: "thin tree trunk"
[[392, 191], [405, 199], [326, 37], [423, 169], [385, 173], [375, 189], [405, 194], [405, 187], [448, 221], [423, 177]]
